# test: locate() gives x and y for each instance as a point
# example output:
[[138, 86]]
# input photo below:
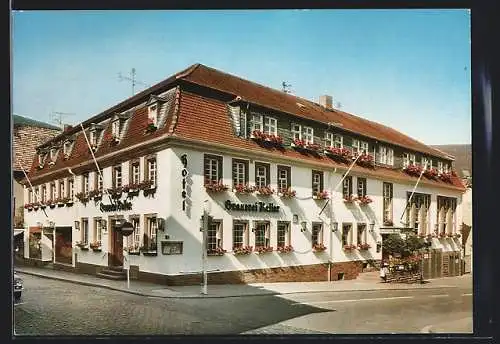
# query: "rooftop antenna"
[[286, 87], [57, 117], [338, 105], [132, 79]]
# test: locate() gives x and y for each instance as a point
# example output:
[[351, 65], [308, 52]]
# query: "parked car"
[[18, 287]]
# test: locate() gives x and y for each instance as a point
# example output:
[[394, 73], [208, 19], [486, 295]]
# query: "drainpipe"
[[331, 225]]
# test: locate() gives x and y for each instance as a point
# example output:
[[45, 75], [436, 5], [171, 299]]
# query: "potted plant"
[[349, 247], [28, 206], [284, 249], [218, 251], [258, 135], [215, 187], [298, 144], [320, 247], [95, 194], [242, 250], [287, 193], [115, 192], [365, 160], [243, 189], [413, 170], [82, 197], [364, 200], [445, 177], [431, 173], [342, 154], [51, 203], [276, 140], [265, 191], [263, 249], [363, 246], [150, 249], [313, 147], [320, 194], [349, 199], [150, 126], [95, 245]]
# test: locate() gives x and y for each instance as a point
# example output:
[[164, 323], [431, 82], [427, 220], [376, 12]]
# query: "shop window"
[[317, 234], [212, 169], [283, 234], [240, 172], [347, 187], [240, 234], [446, 215], [262, 175], [346, 234], [214, 236], [262, 234], [416, 211], [150, 235]]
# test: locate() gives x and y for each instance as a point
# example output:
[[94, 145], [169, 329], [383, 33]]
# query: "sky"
[[408, 69]]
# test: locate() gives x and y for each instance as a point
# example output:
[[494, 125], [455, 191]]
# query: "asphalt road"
[[50, 307]]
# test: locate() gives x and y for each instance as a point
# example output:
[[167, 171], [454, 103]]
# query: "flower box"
[[364, 200], [82, 197], [216, 187], [284, 249], [445, 177], [115, 192], [349, 247], [219, 251], [422, 235], [95, 245], [258, 135], [431, 173], [363, 247], [242, 250], [413, 170], [265, 191], [349, 199], [95, 194], [243, 189], [320, 195], [150, 127], [442, 235], [276, 140], [298, 144], [365, 160], [149, 250], [286, 193], [313, 147], [388, 223], [82, 245], [263, 249], [319, 247], [342, 154]]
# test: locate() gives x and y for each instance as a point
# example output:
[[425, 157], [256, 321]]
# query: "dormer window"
[[41, 159], [333, 140], [257, 122], [308, 135], [271, 126], [115, 129], [67, 148], [53, 154], [93, 138], [359, 147], [153, 114], [95, 130], [408, 159], [296, 131]]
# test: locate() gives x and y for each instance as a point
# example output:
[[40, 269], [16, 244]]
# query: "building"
[[263, 164], [463, 166], [27, 135]]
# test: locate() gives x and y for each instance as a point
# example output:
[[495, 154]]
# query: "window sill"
[[97, 249], [135, 253], [84, 248], [148, 192], [150, 253]]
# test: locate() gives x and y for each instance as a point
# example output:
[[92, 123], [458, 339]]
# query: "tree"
[[393, 244]]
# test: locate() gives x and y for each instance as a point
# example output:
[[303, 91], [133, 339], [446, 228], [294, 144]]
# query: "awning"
[[18, 231]]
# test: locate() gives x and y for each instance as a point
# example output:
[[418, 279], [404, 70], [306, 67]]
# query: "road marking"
[[354, 300], [466, 294], [440, 295], [19, 303]]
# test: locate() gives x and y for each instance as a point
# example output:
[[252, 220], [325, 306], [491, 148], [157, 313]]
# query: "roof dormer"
[[68, 147], [153, 104], [42, 156], [118, 122], [95, 131]]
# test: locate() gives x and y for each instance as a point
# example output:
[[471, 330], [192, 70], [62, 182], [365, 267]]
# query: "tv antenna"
[[57, 117], [132, 79], [286, 87], [338, 105]]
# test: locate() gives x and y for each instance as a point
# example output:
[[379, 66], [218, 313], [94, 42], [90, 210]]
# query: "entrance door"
[[116, 252]]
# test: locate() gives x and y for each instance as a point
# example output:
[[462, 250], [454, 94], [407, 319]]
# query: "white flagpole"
[[31, 186], [411, 195]]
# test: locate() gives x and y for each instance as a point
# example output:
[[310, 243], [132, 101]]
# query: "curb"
[[270, 293], [427, 329]]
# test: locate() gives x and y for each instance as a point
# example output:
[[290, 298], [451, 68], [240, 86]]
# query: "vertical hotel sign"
[[184, 174]]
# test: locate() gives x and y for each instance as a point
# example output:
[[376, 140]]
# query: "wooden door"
[[116, 252]]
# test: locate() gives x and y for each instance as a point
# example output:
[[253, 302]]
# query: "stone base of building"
[[404, 277]]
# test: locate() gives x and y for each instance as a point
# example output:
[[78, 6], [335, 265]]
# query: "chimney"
[[326, 101], [67, 127]]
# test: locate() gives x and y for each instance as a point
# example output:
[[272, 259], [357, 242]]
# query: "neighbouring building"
[[463, 165], [27, 135], [264, 164]]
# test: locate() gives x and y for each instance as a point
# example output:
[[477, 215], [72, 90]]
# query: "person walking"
[[383, 272]]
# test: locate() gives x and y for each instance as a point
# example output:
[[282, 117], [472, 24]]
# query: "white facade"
[[184, 225]]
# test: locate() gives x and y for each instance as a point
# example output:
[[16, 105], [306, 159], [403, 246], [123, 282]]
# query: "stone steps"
[[113, 273]]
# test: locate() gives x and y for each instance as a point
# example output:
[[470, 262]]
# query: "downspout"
[[331, 226]]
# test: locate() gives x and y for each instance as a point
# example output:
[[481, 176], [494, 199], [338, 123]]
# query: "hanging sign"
[[257, 206]]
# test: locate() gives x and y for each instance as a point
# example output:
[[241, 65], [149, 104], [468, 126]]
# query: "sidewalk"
[[457, 326], [228, 290]]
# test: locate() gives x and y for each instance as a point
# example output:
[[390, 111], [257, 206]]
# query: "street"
[[50, 307]]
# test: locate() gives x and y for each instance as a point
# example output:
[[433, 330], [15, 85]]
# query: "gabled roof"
[[25, 121]]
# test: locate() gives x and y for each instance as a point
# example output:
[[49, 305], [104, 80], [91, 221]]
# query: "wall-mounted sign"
[[257, 206], [171, 247], [119, 205], [184, 174]]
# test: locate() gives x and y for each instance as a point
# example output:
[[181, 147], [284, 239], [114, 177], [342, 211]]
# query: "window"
[[71, 188], [361, 233], [53, 154], [359, 147], [135, 174], [53, 191], [347, 187], [284, 177], [153, 114], [115, 129], [67, 147], [262, 178], [97, 229], [416, 211], [283, 234], [346, 234], [296, 131], [308, 135], [213, 169], [424, 162], [134, 240], [151, 233], [408, 159], [62, 192], [361, 187], [117, 176], [446, 168], [151, 170], [44, 192], [41, 159], [446, 214], [317, 234], [30, 195], [37, 194], [339, 141], [317, 182], [385, 155], [387, 200], [85, 230], [240, 234], [240, 172], [214, 236], [93, 138], [329, 139], [333, 140], [271, 126], [262, 234], [257, 122], [98, 181], [85, 183]]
